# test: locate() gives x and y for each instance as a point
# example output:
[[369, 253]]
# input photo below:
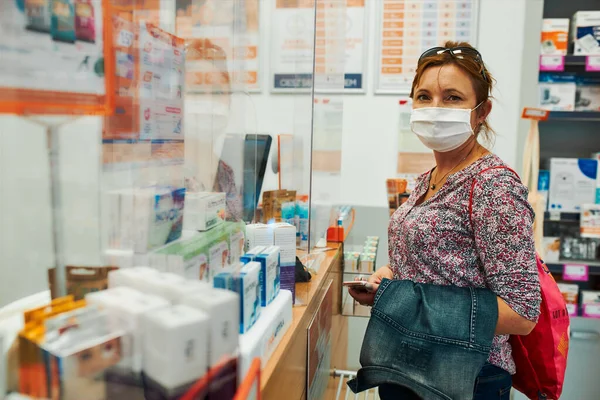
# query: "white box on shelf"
[[285, 238], [557, 96], [588, 94], [223, 307], [266, 335], [572, 183], [555, 36], [248, 286], [259, 235], [585, 33], [204, 210], [176, 345], [269, 274]]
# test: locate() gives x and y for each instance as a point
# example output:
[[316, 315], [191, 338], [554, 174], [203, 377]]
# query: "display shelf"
[[574, 116], [561, 216]]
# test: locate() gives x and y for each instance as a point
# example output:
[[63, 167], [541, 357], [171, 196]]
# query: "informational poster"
[[406, 28], [356, 46], [232, 27], [339, 50], [319, 347], [292, 43], [148, 123], [52, 54]]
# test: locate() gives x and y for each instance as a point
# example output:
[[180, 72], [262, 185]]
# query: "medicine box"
[[585, 33], [590, 303], [252, 254], [176, 345], [555, 36], [248, 287], [269, 274], [204, 211], [351, 260], [557, 92], [570, 293], [259, 235], [572, 183], [223, 307], [587, 97]]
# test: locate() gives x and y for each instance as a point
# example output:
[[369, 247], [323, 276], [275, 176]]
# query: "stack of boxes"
[[365, 260]]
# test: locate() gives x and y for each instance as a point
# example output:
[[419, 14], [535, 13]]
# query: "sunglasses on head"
[[458, 52]]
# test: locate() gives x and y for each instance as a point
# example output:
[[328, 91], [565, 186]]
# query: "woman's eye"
[[422, 97], [454, 98]]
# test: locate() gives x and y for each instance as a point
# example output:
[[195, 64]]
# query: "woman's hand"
[[366, 298]]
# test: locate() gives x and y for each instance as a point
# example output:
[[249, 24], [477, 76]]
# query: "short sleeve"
[[503, 227]]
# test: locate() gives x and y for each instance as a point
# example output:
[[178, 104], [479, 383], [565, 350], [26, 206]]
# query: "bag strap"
[[475, 182]]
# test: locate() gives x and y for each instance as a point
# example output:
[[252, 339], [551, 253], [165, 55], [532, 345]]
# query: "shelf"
[[564, 217], [575, 61], [574, 116], [557, 268]]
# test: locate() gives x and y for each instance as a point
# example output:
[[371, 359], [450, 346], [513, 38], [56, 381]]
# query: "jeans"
[[492, 383]]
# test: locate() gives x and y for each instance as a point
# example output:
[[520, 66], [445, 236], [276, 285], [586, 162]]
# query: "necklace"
[[434, 185]]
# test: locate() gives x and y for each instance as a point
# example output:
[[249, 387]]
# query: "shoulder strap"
[[475, 182]]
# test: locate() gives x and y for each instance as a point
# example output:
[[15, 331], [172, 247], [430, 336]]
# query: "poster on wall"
[[406, 28], [52, 55], [356, 46], [339, 49], [148, 123], [319, 347], [231, 27]]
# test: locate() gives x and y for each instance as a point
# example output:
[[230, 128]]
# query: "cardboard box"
[[572, 183], [585, 33], [587, 97], [590, 303], [204, 210], [555, 36], [269, 274], [557, 92]]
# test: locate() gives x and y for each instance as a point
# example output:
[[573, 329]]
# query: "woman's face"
[[448, 86]]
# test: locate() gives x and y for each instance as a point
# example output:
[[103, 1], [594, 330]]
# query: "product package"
[[273, 202], [119, 258], [176, 346], [38, 14], [351, 261], [85, 24], [544, 186], [269, 274], [223, 307], [551, 249], [590, 303], [265, 336], [572, 183], [557, 92], [128, 277], [285, 237], [589, 225], [248, 284], [237, 240], [367, 262], [585, 33], [252, 254], [81, 280], [259, 235], [570, 293], [204, 211], [62, 26], [127, 310], [587, 97], [555, 36], [303, 212]]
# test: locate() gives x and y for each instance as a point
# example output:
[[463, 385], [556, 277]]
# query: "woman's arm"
[[502, 222], [511, 323]]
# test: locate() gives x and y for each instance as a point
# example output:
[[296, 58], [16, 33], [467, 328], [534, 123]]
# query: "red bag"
[[541, 356]]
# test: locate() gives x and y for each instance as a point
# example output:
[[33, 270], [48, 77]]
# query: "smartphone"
[[359, 286]]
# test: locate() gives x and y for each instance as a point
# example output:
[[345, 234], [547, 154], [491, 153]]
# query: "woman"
[[436, 238]]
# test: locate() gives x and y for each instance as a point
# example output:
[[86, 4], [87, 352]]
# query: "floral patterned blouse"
[[436, 242]]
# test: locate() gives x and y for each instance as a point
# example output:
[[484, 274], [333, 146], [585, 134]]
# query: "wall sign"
[[55, 59], [406, 28]]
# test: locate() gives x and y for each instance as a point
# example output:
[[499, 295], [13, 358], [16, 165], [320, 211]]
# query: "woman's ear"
[[484, 111]]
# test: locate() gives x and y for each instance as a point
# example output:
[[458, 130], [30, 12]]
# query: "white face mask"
[[442, 129]]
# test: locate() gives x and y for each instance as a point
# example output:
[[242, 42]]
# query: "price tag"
[[552, 63], [592, 63], [591, 310], [578, 273], [554, 215]]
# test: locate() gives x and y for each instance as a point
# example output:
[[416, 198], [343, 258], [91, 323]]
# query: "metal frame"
[[345, 376]]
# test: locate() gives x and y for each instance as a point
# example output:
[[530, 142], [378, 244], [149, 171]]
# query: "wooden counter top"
[[284, 376]]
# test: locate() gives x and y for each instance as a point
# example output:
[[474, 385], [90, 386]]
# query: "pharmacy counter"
[[285, 375]]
